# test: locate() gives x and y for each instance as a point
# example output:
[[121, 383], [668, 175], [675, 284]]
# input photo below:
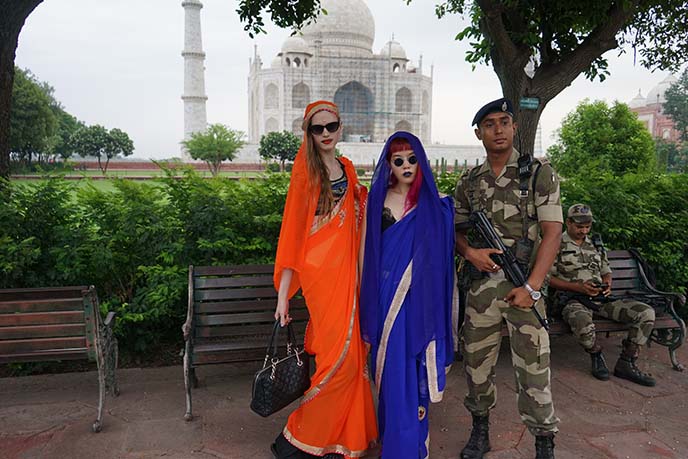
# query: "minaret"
[[194, 97]]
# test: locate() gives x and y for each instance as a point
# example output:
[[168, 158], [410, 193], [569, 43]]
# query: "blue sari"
[[407, 311]]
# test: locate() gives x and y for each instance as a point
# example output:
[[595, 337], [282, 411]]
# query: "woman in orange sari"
[[317, 252]]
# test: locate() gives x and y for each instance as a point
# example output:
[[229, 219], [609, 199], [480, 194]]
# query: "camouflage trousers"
[[481, 338], [639, 316]]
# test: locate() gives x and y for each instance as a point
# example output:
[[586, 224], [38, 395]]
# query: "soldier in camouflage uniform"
[[525, 210], [580, 273]]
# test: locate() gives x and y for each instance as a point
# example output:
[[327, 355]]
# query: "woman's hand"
[[282, 312]]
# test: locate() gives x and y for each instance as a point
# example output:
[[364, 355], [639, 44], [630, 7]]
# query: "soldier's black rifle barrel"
[[506, 259]]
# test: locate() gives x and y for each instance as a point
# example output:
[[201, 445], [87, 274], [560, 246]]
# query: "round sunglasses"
[[399, 161], [318, 129]]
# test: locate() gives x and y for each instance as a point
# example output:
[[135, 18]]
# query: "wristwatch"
[[534, 294]]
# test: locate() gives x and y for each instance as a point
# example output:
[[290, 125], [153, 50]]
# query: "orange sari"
[[336, 414]]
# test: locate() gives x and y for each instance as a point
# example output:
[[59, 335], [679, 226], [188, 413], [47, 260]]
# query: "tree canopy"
[[216, 144], [598, 137], [97, 141], [564, 39], [33, 122], [280, 146], [676, 105]]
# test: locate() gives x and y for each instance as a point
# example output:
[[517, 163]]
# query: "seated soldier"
[[582, 278]]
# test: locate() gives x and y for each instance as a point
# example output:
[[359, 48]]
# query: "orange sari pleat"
[[337, 412]]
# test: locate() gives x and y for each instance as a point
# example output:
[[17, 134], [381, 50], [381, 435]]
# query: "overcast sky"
[[118, 63]]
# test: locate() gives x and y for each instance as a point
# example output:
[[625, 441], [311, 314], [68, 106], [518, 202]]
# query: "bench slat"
[[245, 318], [41, 344], [243, 330], [42, 331], [246, 281], [627, 263], [232, 270], [46, 355], [616, 254], [246, 306], [66, 304], [626, 273], [30, 294], [625, 284], [42, 318], [234, 293]]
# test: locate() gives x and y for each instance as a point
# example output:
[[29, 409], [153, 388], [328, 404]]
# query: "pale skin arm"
[[282, 310], [519, 297]]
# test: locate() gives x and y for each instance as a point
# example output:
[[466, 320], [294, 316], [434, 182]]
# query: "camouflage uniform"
[[500, 198], [584, 263]]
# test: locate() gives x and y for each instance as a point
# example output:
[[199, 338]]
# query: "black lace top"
[[387, 218]]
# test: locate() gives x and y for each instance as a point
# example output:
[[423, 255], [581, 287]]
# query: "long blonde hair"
[[318, 174]]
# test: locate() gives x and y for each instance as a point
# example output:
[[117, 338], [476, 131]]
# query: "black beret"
[[499, 105]]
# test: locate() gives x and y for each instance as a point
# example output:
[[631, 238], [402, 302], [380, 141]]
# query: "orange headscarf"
[[299, 211]]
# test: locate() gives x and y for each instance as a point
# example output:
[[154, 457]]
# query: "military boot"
[[544, 446], [479, 443], [599, 365], [626, 368]]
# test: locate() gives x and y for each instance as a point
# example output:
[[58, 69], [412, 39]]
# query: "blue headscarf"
[[432, 247]]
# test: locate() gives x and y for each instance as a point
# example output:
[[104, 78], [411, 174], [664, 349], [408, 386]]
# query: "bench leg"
[[672, 338], [187, 381], [98, 424], [111, 357]]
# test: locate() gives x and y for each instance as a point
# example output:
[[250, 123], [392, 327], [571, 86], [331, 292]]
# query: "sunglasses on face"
[[399, 161], [318, 129]]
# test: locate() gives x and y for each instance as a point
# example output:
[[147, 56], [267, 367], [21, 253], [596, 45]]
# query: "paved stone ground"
[[50, 416]]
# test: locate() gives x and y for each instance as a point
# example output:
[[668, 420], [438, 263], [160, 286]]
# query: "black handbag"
[[282, 379]]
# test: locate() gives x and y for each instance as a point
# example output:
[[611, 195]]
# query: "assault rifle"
[[591, 302], [506, 259]]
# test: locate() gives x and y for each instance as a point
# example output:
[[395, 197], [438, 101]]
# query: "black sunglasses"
[[399, 161], [317, 129]]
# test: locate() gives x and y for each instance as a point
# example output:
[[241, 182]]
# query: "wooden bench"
[[629, 280], [59, 323], [230, 317]]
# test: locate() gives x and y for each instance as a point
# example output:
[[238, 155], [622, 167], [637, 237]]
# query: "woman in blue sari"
[[407, 294]]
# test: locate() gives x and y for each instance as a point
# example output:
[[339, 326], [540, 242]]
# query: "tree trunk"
[[14, 13]]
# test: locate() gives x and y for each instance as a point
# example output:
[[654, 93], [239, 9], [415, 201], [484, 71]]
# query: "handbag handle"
[[272, 343]]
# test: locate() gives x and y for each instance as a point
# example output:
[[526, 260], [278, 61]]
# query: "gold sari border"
[[319, 221], [321, 451], [308, 396], [455, 313], [431, 364], [395, 307]]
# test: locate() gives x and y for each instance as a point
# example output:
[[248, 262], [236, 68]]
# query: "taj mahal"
[[333, 59], [378, 93]]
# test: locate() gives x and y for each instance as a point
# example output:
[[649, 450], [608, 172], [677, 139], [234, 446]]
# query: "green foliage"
[[283, 14], [32, 121], [671, 156], [644, 211], [446, 181], [216, 144], [596, 136], [556, 30], [676, 105], [280, 146], [97, 141], [135, 243]]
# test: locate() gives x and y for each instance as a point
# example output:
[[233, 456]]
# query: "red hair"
[[395, 146]]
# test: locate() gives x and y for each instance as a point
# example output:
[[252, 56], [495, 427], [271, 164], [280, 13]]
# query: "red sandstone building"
[[650, 113]]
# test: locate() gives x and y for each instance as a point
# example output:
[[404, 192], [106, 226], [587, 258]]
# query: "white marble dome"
[[276, 62], [348, 28], [295, 44], [656, 95], [638, 101], [394, 50]]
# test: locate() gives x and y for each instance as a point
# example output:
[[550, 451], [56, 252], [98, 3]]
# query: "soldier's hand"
[[519, 298], [480, 258], [588, 288]]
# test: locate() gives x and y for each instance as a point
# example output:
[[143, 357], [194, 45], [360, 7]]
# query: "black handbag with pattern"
[[282, 379]]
